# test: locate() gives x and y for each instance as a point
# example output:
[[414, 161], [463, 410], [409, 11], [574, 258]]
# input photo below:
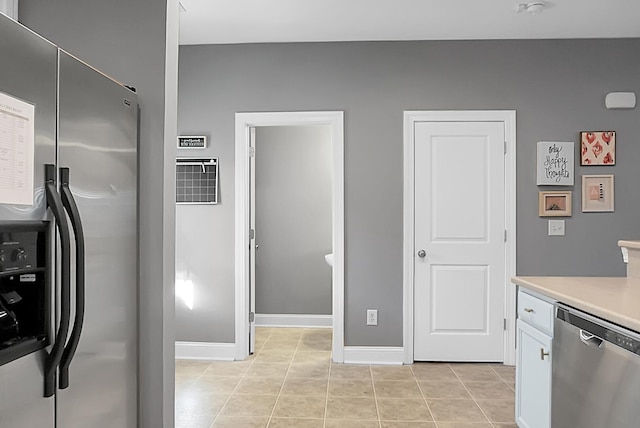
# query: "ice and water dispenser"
[[25, 291]]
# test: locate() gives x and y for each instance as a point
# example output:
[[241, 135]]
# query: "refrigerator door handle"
[[71, 207], [55, 204]]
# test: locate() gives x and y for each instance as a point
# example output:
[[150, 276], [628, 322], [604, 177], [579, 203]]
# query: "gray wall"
[[136, 43], [556, 86], [200, 257], [197, 227], [293, 219]]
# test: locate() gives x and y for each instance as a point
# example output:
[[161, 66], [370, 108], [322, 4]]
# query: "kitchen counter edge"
[[616, 299]]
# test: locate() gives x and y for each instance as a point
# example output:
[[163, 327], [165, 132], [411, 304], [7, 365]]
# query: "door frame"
[[243, 123], [508, 117]]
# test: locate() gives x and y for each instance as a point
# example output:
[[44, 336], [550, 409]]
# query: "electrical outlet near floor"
[[372, 317]]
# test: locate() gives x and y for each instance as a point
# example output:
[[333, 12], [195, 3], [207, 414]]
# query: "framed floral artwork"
[[554, 204], [598, 148], [597, 193]]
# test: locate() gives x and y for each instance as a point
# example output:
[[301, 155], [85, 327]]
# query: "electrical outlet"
[[372, 317], [556, 227]]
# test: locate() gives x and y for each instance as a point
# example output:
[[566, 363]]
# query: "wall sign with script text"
[[192, 142], [555, 163]]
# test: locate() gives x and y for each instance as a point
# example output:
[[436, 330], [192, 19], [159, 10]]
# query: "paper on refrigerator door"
[[17, 138]]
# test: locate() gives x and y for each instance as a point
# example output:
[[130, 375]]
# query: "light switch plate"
[[556, 227]]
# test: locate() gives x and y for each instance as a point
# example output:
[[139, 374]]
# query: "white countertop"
[[630, 244], [613, 299]]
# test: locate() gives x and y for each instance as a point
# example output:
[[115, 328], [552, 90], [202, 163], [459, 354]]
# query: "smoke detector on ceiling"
[[532, 8]]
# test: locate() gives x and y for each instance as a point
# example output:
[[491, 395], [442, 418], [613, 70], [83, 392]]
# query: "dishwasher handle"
[[596, 331], [591, 339]]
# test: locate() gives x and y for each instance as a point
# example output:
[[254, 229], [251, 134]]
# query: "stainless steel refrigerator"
[[81, 370]]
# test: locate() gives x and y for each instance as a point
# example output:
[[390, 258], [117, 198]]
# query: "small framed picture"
[[598, 148], [597, 193], [554, 204]]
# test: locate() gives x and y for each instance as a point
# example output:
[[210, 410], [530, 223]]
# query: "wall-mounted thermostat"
[[192, 142], [197, 181]]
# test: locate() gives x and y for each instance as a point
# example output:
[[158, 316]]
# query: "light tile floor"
[[291, 382]]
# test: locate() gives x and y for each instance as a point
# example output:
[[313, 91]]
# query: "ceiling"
[[262, 21]]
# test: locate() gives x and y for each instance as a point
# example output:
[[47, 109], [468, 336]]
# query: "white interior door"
[[459, 243], [252, 241]]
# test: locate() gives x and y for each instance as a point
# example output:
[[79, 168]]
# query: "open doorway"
[[291, 223], [246, 233]]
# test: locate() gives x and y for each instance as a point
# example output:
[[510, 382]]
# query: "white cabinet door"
[[533, 378]]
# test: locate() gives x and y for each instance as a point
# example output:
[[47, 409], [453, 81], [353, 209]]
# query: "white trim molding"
[[294, 320], [508, 117], [244, 122], [382, 355], [510, 250], [9, 8], [205, 351]]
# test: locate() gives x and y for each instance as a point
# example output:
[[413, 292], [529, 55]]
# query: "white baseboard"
[[294, 320], [205, 351], [385, 355]]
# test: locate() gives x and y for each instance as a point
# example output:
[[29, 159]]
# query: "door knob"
[[257, 247], [422, 254]]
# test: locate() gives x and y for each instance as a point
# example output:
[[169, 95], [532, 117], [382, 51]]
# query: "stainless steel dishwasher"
[[596, 373]]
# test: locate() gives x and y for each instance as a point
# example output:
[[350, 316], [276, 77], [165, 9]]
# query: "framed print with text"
[[555, 164]]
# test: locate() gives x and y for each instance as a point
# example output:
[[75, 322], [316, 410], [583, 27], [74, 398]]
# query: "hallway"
[[291, 382]]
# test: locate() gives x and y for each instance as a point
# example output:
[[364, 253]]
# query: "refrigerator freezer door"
[[22, 404], [28, 72], [97, 141]]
